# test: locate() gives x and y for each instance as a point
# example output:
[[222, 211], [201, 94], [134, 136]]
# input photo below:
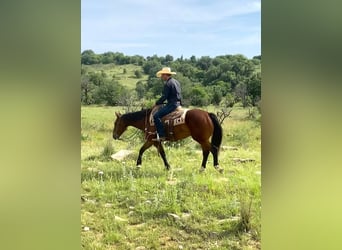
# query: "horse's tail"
[[216, 139]]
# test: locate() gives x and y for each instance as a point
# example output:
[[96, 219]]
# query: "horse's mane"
[[136, 116]]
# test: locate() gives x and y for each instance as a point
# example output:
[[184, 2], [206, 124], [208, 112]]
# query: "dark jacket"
[[171, 92]]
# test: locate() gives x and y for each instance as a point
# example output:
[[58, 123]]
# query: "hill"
[[124, 74]]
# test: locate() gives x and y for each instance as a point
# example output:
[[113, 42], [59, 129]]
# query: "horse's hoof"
[[202, 169], [219, 169], [139, 166]]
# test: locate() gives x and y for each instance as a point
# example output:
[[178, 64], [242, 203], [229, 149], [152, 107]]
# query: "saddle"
[[175, 118]]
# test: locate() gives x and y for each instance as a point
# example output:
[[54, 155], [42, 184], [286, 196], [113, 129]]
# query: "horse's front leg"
[[161, 151], [146, 145]]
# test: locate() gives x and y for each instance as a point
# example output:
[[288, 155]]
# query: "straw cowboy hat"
[[165, 70]]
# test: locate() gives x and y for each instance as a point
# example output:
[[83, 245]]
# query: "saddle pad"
[[178, 116]]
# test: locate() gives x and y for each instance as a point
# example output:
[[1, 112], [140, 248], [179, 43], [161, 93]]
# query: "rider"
[[171, 93]]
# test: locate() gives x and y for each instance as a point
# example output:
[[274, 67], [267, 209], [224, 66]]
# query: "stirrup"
[[159, 139]]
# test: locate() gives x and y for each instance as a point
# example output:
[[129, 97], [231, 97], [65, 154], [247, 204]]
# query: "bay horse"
[[199, 124]]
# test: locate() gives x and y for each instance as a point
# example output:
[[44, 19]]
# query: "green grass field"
[[124, 74], [151, 208]]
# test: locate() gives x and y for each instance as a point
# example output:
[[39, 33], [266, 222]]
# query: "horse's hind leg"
[[214, 151], [205, 152], [146, 145], [161, 151]]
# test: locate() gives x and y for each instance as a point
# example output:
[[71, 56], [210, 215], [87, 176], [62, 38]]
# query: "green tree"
[[211, 75], [168, 59], [89, 57], [140, 88], [241, 94], [108, 57], [186, 86], [204, 62], [224, 86], [254, 88], [109, 93], [137, 73], [242, 66], [96, 78], [155, 86], [199, 96], [193, 59], [137, 60], [86, 90], [216, 94], [151, 67]]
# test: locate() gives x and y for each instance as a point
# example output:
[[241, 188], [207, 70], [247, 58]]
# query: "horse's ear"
[[117, 114]]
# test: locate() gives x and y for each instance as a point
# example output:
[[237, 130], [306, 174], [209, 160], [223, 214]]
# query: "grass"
[[124, 74], [151, 208]]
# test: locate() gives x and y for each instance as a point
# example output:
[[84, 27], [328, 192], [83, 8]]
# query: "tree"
[[140, 88], [155, 86], [216, 94], [137, 60], [211, 75], [254, 88], [199, 96], [193, 59], [109, 93], [186, 86], [86, 89], [242, 66], [108, 57], [89, 57], [168, 59], [204, 62], [224, 86], [151, 67], [137, 73], [96, 78], [242, 94]]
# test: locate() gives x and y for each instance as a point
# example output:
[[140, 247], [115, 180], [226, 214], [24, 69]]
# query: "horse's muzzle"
[[116, 137]]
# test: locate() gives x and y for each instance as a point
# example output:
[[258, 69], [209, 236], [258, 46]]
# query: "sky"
[[178, 27]]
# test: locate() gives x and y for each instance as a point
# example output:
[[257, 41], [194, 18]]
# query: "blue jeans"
[[163, 112]]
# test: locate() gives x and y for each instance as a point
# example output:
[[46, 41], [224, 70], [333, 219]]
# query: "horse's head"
[[119, 126]]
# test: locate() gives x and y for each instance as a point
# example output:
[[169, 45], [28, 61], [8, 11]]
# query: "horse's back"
[[199, 123], [198, 116]]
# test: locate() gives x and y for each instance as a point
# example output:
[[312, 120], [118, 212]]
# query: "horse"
[[198, 124]]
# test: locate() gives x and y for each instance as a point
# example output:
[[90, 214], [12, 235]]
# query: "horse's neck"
[[137, 124], [139, 121]]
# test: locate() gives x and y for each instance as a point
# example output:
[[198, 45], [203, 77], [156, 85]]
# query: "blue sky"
[[178, 27]]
